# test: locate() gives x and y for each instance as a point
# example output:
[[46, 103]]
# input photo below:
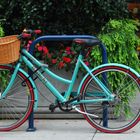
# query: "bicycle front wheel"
[[18, 103], [113, 116]]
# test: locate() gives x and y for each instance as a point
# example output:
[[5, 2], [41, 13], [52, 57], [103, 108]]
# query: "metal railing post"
[[68, 38]]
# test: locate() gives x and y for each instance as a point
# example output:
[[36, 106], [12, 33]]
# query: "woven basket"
[[9, 49]]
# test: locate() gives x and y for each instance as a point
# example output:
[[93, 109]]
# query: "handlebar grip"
[[25, 35]]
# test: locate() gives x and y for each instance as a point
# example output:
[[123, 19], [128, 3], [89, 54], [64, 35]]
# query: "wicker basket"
[[9, 49]]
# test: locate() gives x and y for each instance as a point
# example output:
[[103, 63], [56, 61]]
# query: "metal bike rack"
[[67, 38]]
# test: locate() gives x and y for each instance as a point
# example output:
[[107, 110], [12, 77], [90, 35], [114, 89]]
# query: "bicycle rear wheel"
[[124, 112], [18, 103]]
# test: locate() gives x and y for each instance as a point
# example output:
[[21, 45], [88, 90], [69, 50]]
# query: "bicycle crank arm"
[[74, 107]]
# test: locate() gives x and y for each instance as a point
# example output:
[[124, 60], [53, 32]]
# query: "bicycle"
[[96, 92]]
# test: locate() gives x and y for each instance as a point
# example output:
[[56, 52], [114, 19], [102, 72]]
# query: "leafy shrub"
[[61, 16], [121, 41]]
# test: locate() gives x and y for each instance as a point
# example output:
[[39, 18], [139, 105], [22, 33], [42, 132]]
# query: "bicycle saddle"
[[88, 42]]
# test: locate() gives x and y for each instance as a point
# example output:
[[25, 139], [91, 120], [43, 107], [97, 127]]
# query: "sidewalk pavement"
[[59, 129]]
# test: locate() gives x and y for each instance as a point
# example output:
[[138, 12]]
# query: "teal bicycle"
[[98, 91]]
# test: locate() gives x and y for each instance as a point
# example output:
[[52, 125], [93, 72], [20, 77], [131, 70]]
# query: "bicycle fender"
[[108, 64]]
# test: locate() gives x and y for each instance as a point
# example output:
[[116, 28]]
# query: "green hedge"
[[121, 41], [60, 16]]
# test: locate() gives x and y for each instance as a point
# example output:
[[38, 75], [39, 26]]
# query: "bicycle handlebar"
[[29, 33], [32, 31]]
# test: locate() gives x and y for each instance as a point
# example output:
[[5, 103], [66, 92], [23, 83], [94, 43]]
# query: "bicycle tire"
[[19, 101], [124, 112]]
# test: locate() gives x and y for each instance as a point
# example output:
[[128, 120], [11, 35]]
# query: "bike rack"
[[66, 38]]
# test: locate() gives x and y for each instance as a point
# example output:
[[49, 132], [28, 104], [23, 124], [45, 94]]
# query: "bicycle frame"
[[35, 66]]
